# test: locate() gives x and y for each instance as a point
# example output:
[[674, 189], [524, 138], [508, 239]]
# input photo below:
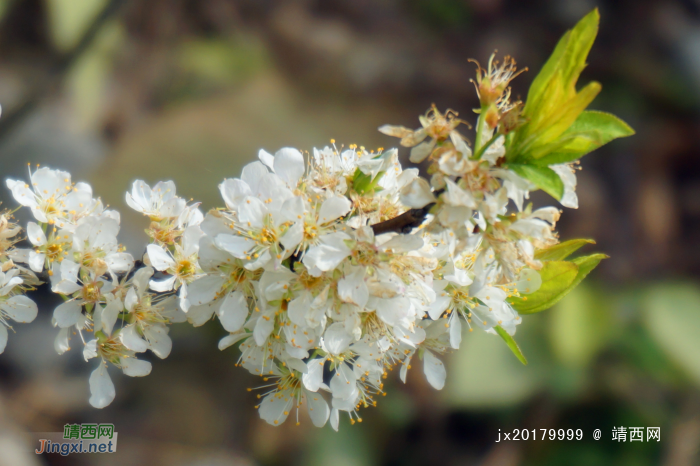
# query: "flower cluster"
[[331, 268], [74, 243], [15, 280]]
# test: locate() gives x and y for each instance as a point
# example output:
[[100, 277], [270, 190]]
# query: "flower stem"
[[479, 128], [478, 154]]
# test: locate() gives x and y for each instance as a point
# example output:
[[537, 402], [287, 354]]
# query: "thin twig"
[[403, 223]]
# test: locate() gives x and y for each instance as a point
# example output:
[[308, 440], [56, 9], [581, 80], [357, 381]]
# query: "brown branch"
[[407, 221], [403, 223]]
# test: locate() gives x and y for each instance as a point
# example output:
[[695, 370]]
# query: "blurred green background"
[[189, 90]]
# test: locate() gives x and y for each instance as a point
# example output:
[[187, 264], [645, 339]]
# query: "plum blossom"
[[327, 269]]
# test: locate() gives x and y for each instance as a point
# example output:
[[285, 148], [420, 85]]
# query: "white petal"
[[404, 368], [66, 287], [275, 408], [457, 196], [251, 212], [173, 207], [263, 329], [456, 332], [417, 194], [293, 236], [335, 419], [20, 309], [238, 246], [343, 383], [327, 255], [233, 311], [200, 315], [333, 208], [313, 379], [90, 350], [62, 342], [292, 210], [298, 308], [231, 339], [190, 240], [289, 165], [234, 191], [568, 178], [253, 173], [120, 262], [318, 408], [421, 151], [140, 197], [353, 289], [528, 282], [101, 387], [403, 243], [20, 255], [35, 234], [411, 338], [23, 194], [67, 314], [296, 364], [460, 144], [438, 306], [159, 258], [131, 299], [158, 340], [10, 284], [135, 367], [130, 338], [434, 370], [163, 285], [36, 261], [266, 158], [204, 290], [191, 216], [182, 298], [110, 314], [337, 339], [3, 338], [69, 270]]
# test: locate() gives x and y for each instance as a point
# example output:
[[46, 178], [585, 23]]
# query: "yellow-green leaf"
[[511, 344], [553, 104], [561, 251], [567, 60], [591, 130], [545, 178], [557, 279], [585, 265]]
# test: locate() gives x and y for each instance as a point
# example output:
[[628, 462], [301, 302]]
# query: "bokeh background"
[[189, 90]]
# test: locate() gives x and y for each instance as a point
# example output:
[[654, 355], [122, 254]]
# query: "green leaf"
[[558, 279], [545, 178], [585, 265], [511, 344], [553, 104], [591, 130], [365, 184], [561, 251], [559, 116], [566, 62]]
